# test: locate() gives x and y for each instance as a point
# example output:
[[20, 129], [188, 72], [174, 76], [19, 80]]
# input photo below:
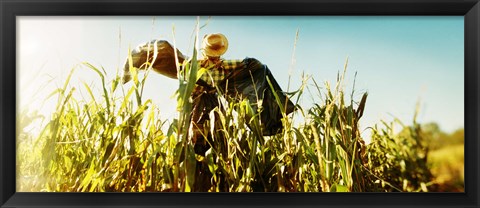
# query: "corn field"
[[118, 144]]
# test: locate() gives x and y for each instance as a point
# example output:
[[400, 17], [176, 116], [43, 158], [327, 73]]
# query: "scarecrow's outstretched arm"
[[144, 56]]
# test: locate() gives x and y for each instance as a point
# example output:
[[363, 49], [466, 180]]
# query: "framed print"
[[240, 103]]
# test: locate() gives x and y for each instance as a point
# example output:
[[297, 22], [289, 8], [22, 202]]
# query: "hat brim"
[[215, 53]]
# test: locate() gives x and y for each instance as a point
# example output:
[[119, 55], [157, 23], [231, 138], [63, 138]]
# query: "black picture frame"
[[9, 9]]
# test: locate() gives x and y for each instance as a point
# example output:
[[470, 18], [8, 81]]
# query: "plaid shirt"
[[216, 72]]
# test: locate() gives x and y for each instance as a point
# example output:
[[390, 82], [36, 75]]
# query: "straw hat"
[[214, 45]]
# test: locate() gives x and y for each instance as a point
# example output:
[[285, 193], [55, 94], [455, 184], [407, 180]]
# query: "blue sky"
[[398, 60]]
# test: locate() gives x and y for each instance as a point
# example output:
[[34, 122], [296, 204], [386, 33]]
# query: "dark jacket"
[[250, 83]]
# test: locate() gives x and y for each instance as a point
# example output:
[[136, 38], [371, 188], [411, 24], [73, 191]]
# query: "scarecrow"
[[245, 79]]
